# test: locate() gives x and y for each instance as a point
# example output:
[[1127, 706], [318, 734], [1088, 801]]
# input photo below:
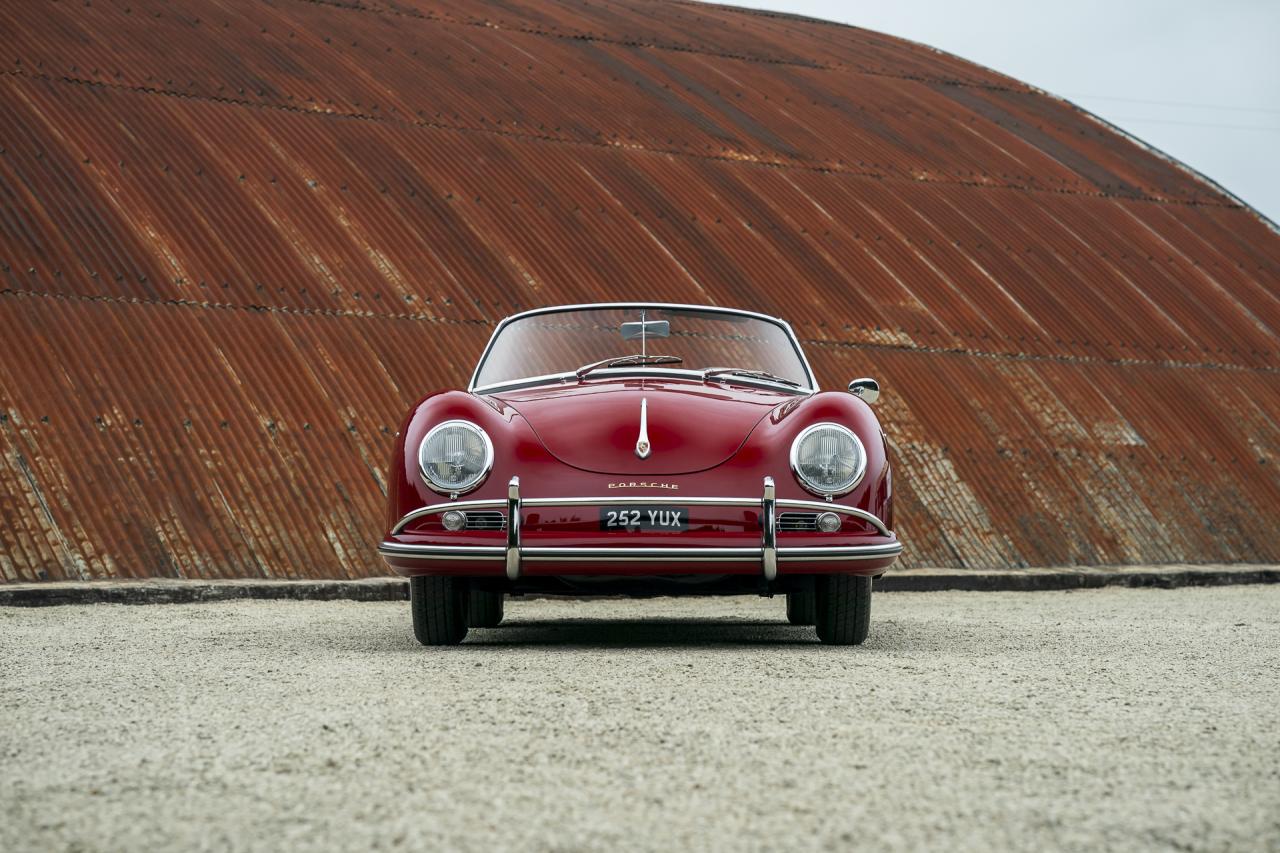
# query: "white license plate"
[[644, 518]]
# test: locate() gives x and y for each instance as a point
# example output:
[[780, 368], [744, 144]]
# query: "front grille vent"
[[798, 521], [486, 520]]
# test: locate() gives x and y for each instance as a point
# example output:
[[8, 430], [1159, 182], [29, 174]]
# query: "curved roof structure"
[[237, 240]]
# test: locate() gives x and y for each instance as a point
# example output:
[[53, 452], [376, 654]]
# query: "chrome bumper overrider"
[[767, 553]]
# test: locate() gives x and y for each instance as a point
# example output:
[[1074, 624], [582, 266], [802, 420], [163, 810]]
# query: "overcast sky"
[[1198, 80]]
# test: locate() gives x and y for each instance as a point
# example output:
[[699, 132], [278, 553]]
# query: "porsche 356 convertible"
[[641, 449]]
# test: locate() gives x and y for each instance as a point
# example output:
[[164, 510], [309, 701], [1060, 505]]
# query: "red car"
[[641, 449]]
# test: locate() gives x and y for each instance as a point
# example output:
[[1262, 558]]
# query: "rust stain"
[[237, 240]]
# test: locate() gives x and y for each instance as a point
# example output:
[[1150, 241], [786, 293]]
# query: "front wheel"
[[842, 609], [484, 608], [800, 606], [439, 606]]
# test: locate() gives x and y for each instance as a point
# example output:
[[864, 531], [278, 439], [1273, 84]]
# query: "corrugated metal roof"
[[238, 240]]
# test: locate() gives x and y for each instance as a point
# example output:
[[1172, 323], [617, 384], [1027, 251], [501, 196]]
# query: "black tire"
[[439, 608], [801, 609], [484, 608], [843, 609]]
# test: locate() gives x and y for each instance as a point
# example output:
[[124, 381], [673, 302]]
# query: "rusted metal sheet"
[[238, 240]]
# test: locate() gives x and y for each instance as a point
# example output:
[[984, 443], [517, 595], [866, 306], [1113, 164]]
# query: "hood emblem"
[[642, 443], [675, 487]]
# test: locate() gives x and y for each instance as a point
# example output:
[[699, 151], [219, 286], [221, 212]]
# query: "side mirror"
[[866, 388]]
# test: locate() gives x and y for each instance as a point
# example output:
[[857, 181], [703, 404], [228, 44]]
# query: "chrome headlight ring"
[[478, 469], [833, 489]]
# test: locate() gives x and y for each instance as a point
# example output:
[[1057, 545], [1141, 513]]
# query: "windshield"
[[560, 343]]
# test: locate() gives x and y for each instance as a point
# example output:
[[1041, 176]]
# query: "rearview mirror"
[[867, 389], [647, 329]]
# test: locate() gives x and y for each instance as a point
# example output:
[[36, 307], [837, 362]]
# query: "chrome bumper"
[[514, 554]]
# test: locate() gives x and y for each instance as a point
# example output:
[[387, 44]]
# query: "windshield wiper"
[[627, 361], [712, 372]]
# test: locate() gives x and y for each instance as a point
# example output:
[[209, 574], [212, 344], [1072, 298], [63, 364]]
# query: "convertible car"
[[641, 449]]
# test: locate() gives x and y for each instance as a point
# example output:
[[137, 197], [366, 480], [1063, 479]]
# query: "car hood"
[[595, 425]]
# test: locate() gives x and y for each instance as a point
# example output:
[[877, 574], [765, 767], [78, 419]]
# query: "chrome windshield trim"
[[675, 306], [570, 379], [604, 306]]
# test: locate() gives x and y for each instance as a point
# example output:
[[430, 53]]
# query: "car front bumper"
[[519, 556]]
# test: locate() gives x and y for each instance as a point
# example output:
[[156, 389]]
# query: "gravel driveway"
[[1114, 718]]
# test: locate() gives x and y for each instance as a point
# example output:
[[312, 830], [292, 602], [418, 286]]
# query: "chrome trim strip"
[[513, 529], [690, 555], [697, 555], [713, 555], [620, 500], [842, 552], [642, 501], [528, 380], [714, 309], [843, 509], [435, 509], [442, 552], [642, 443], [769, 538]]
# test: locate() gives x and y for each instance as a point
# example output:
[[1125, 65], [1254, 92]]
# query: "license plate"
[[644, 518]]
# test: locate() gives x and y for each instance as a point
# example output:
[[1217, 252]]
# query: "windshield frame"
[[641, 370]]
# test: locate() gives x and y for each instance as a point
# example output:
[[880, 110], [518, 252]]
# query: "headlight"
[[455, 456], [828, 459]]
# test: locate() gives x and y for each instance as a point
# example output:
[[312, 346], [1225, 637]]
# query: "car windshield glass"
[[555, 344]]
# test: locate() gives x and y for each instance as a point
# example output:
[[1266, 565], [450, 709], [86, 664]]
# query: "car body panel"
[[720, 452], [594, 425], [518, 448]]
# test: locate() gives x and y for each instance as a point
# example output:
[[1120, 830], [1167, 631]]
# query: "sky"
[[1197, 79]]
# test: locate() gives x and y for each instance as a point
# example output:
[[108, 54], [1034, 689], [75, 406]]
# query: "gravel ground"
[[1114, 718]]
